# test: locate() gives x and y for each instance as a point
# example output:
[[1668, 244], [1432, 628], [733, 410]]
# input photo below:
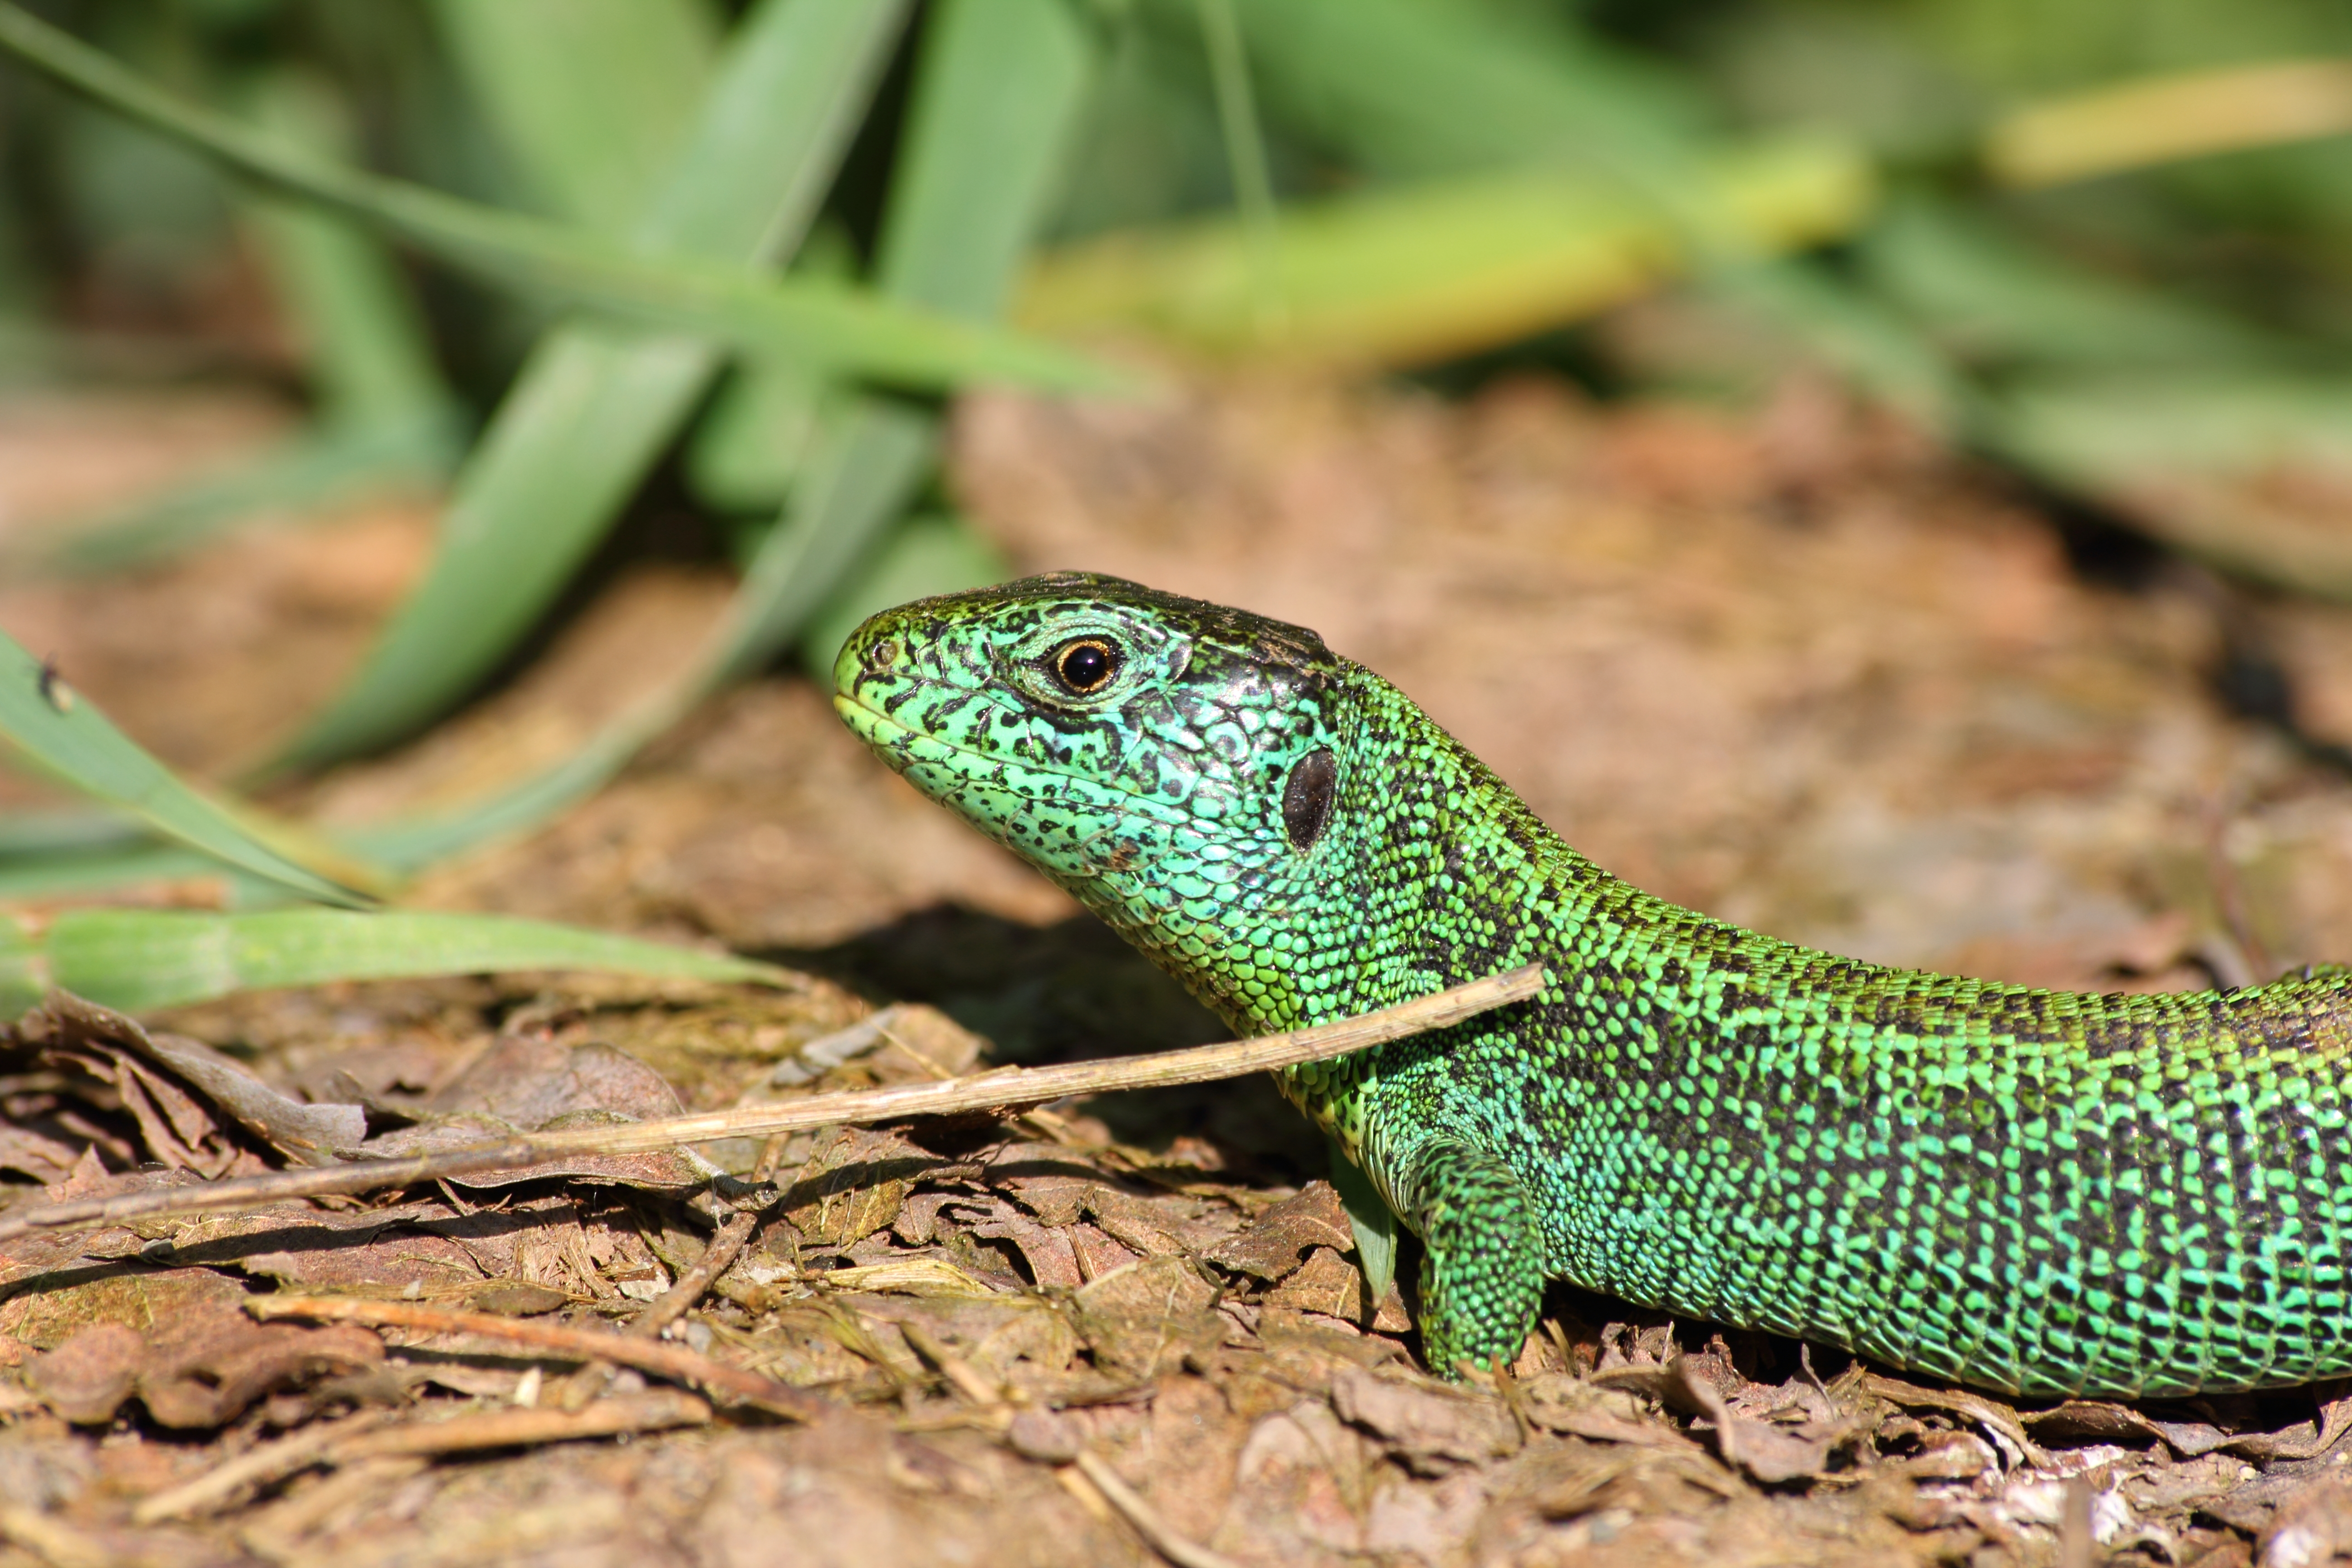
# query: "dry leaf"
[[854, 1186], [1432, 1428], [1148, 1317], [1768, 1451], [198, 1369], [1270, 1248]]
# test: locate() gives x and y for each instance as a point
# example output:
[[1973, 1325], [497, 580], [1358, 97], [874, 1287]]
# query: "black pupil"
[[1083, 665]]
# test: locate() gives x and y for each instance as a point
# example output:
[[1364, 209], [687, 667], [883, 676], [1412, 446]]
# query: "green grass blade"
[[50, 878], [591, 97], [412, 843], [996, 97], [997, 94], [1373, 1222], [871, 460], [67, 830], [996, 100], [24, 972], [1996, 298], [1245, 159], [1439, 267], [749, 446], [369, 353], [1416, 89], [593, 408], [846, 331], [875, 462], [590, 413], [2150, 120], [138, 959], [753, 440], [1856, 335], [66, 735], [2236, 467]]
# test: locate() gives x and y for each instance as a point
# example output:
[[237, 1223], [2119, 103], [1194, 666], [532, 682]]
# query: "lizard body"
[[2045, 1193]]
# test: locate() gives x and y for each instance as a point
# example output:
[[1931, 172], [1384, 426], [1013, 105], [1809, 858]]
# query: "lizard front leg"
[[1481, 1274]]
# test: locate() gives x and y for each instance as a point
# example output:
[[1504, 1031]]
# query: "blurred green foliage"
[[2108, 242]]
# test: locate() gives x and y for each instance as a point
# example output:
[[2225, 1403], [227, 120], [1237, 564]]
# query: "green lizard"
[[2040, 1192]]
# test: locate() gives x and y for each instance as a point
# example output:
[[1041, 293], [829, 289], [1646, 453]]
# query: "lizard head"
[[1175, 765]]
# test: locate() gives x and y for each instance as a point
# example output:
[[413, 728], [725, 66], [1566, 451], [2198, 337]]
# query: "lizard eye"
[[1083, 665]]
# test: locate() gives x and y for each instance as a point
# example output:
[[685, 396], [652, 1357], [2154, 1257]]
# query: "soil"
[[1795, 667]]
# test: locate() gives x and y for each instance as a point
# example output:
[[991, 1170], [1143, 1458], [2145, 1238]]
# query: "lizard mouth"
[[898, 744], [870, 725]]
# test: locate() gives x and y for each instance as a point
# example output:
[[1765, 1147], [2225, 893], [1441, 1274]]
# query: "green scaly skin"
[[2040, 1192]]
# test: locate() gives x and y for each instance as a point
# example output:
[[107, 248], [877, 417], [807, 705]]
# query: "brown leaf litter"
[[904, 1304]]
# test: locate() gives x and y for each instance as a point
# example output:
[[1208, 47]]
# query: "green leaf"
[[996, 101], [591, 97], [2151, 120], [875, 459], [48, 878], [74, 829], [761, 426], [594, 407], [141, 959], [997, 94], [757, 436], [64, 734], [1855, 333], [369, 355], [24, 977], [592, 410], [412, 843], [848, 331], [1417, 89], [870, 459], [2245, 470], [1369, 1216]]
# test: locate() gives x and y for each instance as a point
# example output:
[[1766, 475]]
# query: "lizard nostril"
[[881, 655]]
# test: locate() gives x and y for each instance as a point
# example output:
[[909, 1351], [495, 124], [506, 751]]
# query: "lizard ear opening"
[[1306, 799]]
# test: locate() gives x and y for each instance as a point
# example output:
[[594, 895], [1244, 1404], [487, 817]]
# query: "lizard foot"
[[1481, 1275]]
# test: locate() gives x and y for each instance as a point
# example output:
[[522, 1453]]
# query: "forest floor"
[[1799, 669]]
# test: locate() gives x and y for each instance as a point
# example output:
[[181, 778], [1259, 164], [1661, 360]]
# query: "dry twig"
[[1145, 1519], [255, 1467], [1003, 1090], [726, 1244], [369, 1436], [52, 1540], [652, 1411], [663, 1360]]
